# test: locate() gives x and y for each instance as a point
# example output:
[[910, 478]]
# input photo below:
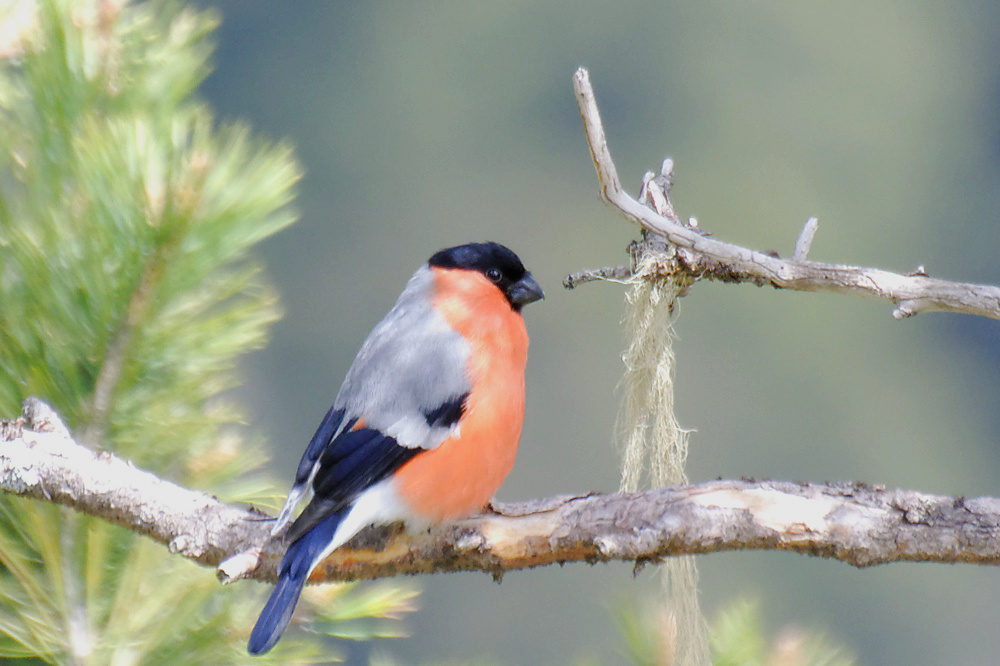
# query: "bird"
[[426, 424]]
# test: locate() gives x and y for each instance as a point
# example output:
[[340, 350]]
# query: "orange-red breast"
[[426, 424]]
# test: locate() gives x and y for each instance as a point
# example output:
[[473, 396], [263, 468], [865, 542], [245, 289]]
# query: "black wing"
[[330, 423], [352, 462]]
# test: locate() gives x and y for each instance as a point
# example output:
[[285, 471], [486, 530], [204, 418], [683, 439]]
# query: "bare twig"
[[805, 240], [713, 259], [858, 524], [610, 273]]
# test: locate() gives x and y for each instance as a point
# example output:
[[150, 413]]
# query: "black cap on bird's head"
[[500, 266]]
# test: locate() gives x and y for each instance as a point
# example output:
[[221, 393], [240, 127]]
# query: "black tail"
[[298, 562]]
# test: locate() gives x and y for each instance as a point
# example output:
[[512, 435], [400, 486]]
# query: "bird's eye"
[[494, 274]]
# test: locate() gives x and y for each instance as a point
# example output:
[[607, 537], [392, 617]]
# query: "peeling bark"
[[860, 524]]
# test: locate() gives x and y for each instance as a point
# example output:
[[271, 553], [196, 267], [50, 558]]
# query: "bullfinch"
[[426, 424]]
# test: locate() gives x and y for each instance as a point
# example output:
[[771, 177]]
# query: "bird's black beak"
[[524, 291]]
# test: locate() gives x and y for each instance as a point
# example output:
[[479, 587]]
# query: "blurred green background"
[[429, 124]]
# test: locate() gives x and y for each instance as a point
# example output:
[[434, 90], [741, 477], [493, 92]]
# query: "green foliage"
[[647, 633], [361, 614], [737, 639], [127, 219]]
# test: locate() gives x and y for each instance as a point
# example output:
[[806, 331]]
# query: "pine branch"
[[703, 257], [858, 524]]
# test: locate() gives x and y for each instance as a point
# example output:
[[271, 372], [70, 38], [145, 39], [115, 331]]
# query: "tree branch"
[[705, 257], [855, 523]]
